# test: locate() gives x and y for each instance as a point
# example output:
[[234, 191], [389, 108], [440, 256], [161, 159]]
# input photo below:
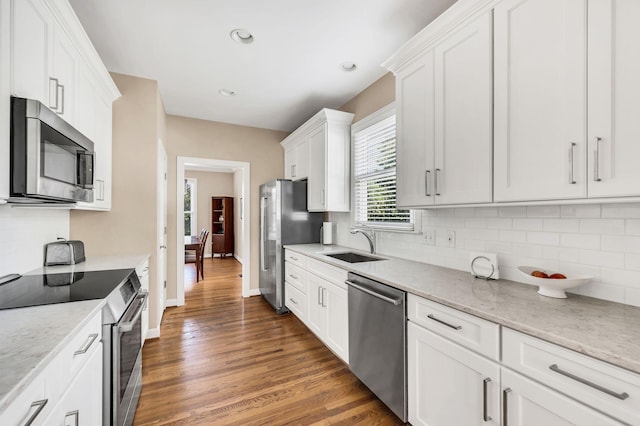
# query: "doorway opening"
[[241, 172]]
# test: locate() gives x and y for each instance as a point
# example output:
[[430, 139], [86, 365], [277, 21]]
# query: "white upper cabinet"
[[614, 95], [46, 55], [463, 115], [444, 120], [540, 99], [322, 147]]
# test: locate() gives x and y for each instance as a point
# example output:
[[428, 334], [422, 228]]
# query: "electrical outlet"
[[429, 236], [451, 238]]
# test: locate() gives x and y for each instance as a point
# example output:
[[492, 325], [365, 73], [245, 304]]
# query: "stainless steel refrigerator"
[[284, 219]]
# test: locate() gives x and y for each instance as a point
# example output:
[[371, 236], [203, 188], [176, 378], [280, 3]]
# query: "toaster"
[[64, 252]]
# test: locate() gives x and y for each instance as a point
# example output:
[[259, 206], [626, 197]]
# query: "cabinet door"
[[289, 161], [81, 404], [540, 99], [316, 184], [448, 384], [31, 43], [337, 334], [614, 91], [415, 133], [301, 166], [316, 314], [526, 402], [65, 58], [463, 115]]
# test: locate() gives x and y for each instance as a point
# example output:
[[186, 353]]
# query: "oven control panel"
[[127, 291]]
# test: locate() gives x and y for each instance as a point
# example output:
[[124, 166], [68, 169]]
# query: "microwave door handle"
[[128, 325]]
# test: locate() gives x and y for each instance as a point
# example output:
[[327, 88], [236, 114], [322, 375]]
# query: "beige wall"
[[131, 225], [189, 137], [381, 93], [209, 185]]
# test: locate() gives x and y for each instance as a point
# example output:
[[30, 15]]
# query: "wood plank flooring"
[[223, 359]]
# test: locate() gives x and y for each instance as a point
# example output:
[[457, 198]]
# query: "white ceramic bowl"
[[552, 287]]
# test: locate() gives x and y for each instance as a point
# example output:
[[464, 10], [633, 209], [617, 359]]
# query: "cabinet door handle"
[[455, 327], [54, 93], [39, 405], [76, 418], [596, 160], [320, 296], [87, 344], [295, 277], [622, 396], [293, 300], [485, 383], [293, 171], [426, 183], [293, 258], [572, 149], [61, 91], [436, 182], [324, 297], [505, 411]]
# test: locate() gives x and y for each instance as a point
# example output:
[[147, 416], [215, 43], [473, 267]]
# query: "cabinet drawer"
[[608, 388], [296, 276], [295, 258], [295, 301], [331, 273], [76, 353], [143, 269], [27, 403], [472, 332]]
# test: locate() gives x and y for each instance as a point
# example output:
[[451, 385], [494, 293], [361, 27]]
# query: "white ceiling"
[[291, 71]]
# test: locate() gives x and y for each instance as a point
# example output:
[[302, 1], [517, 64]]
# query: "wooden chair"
[[195, 256], [203, 246]]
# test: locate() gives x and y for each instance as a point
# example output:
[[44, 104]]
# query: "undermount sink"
[[354, 257]]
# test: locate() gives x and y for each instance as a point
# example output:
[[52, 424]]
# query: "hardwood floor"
[[223, 359]]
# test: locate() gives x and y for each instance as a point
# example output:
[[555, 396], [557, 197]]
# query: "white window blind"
[[375, 177]]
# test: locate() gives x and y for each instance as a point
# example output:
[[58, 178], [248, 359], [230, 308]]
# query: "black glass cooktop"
[[34, 290]]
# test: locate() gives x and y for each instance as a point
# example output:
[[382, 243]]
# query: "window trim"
[[194, 205], [414, 224]]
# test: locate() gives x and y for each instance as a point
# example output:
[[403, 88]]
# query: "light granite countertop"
[[604, 330], [30, 338]]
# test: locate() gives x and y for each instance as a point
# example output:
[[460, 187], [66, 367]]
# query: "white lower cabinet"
[[81, 404], [527, 403], [448, 384], [143, 275]]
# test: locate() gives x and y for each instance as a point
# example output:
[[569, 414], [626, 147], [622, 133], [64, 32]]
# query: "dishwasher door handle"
[[394, 302]]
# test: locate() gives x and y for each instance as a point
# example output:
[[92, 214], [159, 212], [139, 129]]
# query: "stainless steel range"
[[121, 329]]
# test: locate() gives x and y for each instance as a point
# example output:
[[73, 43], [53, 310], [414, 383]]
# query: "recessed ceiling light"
[[241, 36], [348, 66], [226, 92]]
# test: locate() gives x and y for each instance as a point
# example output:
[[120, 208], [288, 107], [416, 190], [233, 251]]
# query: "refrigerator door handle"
[[263, 232]]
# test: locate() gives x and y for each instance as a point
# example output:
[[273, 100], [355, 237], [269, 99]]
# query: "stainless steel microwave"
[[51, 161]]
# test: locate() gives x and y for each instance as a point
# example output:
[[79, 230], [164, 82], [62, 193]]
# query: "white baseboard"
[[237, 258], [153, 333], [254, 292], [171, 303]]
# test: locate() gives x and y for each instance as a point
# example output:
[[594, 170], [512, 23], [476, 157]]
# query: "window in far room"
[[374, 171], [190, 209]]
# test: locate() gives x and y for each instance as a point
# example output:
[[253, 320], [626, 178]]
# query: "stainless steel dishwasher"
[[377, 340]]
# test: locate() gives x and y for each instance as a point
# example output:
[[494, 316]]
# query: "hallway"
[[225, 360]]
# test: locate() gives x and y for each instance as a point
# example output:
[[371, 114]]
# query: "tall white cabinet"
[[440, 161], [540, 99], [46, 55]]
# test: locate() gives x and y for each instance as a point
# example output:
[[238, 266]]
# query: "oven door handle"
[[128, 325]]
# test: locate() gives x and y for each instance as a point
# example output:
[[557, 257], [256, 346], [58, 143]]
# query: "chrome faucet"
[[371, 237]]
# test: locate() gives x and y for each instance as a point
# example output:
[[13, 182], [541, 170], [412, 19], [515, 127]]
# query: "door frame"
[[220, 166]]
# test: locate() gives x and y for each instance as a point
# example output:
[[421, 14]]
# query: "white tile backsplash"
[[23, 234], [600, 240]]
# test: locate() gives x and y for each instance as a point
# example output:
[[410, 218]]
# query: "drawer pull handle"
[[294, 277], [87, 344], [622, 396], [40, 405], [293, 258], [455, 327], [505, 412], [76, 417], [485, 382], [293, 300]]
